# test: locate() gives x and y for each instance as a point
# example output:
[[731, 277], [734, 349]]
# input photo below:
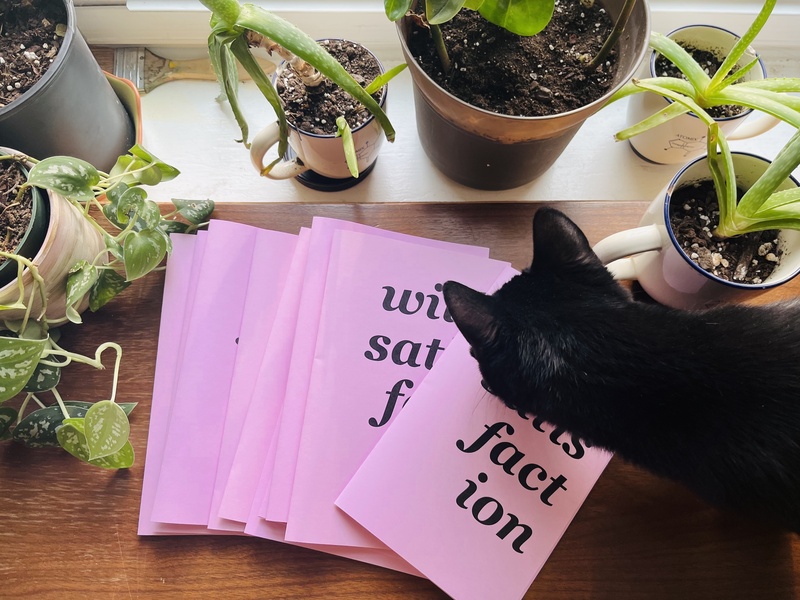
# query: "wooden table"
[[68, 530]]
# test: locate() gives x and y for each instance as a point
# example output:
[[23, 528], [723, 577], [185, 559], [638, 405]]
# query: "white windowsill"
[[185, 126]]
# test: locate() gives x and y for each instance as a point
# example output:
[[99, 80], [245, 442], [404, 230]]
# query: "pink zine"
[[383, 325], [467, 491], [281, 478], [272, 258], [189, 462]]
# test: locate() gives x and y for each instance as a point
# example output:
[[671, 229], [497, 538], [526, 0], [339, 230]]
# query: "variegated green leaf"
[[38, 429], [125, 406], [144, 251], [194, 211], [106, 429], [108, 285], [45, 377], [18, 359], [71, 436], [7, 417], [80, 280], [65, 175]]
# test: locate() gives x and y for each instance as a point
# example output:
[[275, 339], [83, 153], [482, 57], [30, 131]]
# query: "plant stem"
[[612, 38], [60, 402], [441, 49]]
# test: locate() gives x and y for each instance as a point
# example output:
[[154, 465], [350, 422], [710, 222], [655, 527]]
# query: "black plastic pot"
[[72, 110], [487, 150]]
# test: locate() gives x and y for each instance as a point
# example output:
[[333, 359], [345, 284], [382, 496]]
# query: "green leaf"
[[106, 429], [80, 280], [113, 246], [45, 377], [384, 78], [523, 17], [441, 11], [125, 406], [227, 11], [7, 417], [166, 172], [108, 285], [144, 251], [396, 9], [130, 202], [174, 227], [150, 215], [18, 360], [343, 130], [72, 438], [194, 211], [38, 429], [65, 175]]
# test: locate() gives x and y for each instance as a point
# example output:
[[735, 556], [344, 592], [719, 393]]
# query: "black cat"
[[708, 398]]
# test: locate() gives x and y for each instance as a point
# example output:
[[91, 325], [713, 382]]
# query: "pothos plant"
[[31, 358], [236, 28], [521, 17]]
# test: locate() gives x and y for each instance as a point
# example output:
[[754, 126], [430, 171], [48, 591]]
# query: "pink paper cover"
[[291, 422], [183, 267], [189, 461], [441, 486], [383, 325], [268, 385], [272, 258]]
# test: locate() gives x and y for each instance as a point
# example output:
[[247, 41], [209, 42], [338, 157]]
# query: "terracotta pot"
[[487, 150], [72, 110]]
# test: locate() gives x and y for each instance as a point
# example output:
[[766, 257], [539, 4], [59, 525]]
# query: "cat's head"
[[526, 334]]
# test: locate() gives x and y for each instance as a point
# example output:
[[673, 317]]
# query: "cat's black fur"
[[708, 398]]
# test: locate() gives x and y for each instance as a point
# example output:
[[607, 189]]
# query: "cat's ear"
[[557, 241], [471, 312]]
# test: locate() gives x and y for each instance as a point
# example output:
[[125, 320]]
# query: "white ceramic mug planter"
[[684, 138], [321, 154], [651, 254]]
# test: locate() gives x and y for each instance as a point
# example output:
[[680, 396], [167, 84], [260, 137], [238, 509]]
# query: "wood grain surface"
[[68, 530]]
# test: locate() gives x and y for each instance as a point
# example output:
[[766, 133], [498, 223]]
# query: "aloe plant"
[[31, 358], [235, 27], [772, 95]]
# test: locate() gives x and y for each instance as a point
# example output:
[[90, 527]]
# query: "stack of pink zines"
[[303, 394]]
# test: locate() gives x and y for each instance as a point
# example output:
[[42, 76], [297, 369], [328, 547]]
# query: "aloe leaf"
[[687, 65], [396, 9], [782, 204], [38, 429], [780, 106], [384, 78], [18, 360], [106, 429], [737, 75], [227, 76], [673, 110], [241, 51], [776, 173], [226, 11], [71, 177], [343, 130], [290, 37], [521, 17], [741, 45], [774, 84]]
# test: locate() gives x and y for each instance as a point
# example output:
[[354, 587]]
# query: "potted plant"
[[238, 27], [521, 50], [50, 82], [56, 285], [744, 239], [738, 83]]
